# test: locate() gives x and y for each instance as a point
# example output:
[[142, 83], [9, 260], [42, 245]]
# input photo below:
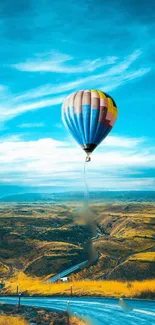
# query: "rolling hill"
[[42, 239]]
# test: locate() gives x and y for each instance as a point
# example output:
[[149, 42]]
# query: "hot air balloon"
[[89, 116]]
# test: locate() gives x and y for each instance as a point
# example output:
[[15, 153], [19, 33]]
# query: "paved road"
[[66, 272], [70, 270], [100, 311]]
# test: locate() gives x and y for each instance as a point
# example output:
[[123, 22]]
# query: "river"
[[100, 311]]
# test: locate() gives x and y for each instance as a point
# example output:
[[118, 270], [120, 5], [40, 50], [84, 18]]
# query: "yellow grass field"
[[76, 321], [12, 320], [34, 286], [148, 256]]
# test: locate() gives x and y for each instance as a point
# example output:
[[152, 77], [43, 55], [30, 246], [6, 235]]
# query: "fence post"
[[19, 298], [68, 320], [68, 309]]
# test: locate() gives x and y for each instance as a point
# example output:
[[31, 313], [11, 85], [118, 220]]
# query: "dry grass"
[[147, 256], [11, 320], [76, 321], [32, 286]]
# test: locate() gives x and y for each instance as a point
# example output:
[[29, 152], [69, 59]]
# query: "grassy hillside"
[[42, 239]]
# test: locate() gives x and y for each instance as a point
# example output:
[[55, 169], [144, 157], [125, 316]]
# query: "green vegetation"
[[3, 269]]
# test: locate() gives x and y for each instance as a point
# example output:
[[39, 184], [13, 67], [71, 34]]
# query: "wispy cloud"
[[8, 113], [31, 125], [112, 82], [14, 138], [124, 65], [48, 90], [62, 63], [108, 80], [115, 82], [112, 78]]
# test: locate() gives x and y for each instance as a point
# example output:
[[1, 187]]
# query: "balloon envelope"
[[89, 115]]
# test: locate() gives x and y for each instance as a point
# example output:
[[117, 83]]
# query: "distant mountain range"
[[108, 196]]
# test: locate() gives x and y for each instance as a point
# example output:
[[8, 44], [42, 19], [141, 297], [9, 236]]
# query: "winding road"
[[73, 268], [67, 272], [99, 311]]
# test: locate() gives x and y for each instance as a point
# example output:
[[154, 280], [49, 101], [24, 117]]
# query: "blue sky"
[[52, 48]]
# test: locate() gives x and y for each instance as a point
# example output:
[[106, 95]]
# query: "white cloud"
[[116, 141], [56, 62], [125, 184], [47, 161]]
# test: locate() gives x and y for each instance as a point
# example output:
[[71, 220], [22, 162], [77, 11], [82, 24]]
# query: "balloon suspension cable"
[[85, 181]]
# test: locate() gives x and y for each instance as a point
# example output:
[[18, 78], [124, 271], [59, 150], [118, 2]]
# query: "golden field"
[[12, 320], [34, 286]]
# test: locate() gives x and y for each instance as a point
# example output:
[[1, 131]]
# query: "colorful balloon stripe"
[[89, 115]]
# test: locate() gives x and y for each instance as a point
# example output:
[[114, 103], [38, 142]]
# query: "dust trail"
[[85, 216], [86, 212], [91, 252]]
